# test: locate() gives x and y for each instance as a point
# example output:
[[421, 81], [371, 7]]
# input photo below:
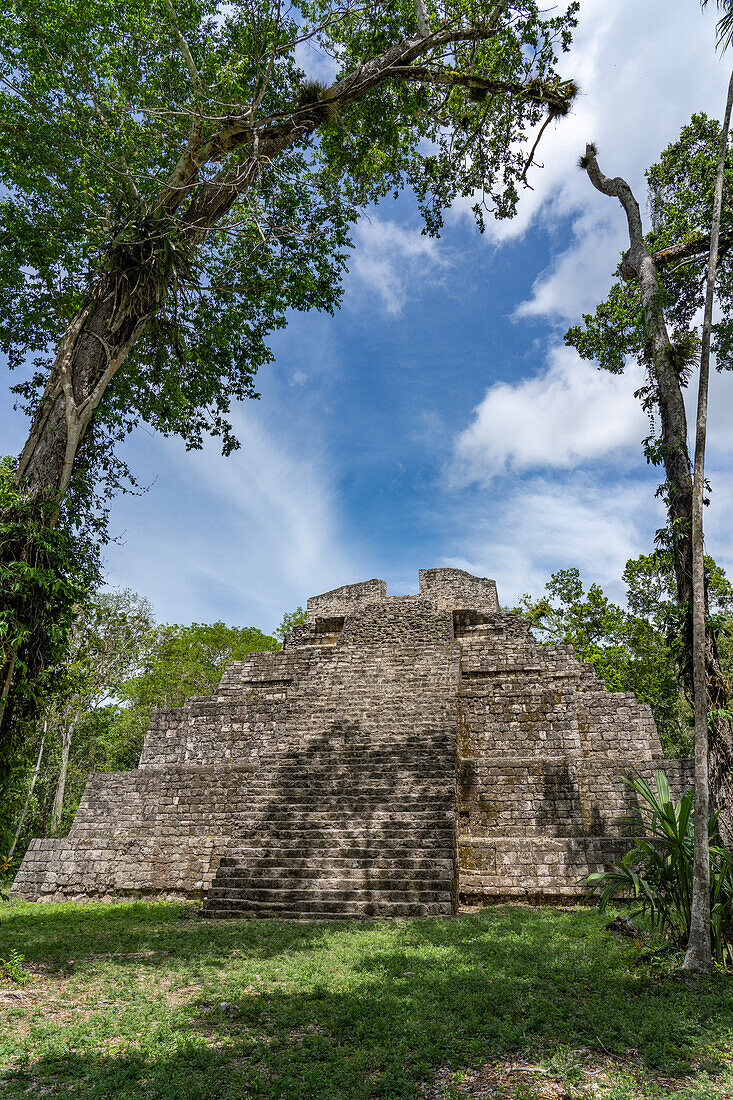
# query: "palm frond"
[[657, 872], [724, 25]]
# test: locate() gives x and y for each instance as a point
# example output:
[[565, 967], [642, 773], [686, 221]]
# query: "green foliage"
[[725, 23], [658, 870], [14, 969], [290, 620], [102, 103], [183, 661], [45, 572]]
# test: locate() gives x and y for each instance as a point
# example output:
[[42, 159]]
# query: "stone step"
[[412, 762], [315, 847], [316, 895], [383, 781], [337, 817], [246, 878], [348, 799], [320, 839], [348, 814], [296, 916], [333, 820], [346, 856], [328, 910], [363, 774], [377, 861]]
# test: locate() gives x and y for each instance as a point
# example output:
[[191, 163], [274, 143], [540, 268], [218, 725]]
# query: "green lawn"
[[145, 1000]]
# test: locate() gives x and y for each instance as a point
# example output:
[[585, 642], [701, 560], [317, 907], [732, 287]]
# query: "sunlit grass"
[[146, 1000]]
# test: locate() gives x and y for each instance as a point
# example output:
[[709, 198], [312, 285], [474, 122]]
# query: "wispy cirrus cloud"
[[394, 262]]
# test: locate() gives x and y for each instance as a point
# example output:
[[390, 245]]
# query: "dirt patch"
[[520, 1079], [496, 1079]]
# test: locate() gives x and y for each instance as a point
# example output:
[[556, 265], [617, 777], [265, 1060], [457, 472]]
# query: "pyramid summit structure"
[[401, 754]]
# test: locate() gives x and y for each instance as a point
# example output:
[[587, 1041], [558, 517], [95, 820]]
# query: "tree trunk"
[[698, 957], [639, 263], [58, 800], [26, 804], [94, 347]]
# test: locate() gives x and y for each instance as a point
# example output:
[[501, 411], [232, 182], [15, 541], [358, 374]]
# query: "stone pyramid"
[[399, 755]]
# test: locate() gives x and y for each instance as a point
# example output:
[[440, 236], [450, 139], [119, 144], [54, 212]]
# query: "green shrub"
[[657, 872], [14, 969]]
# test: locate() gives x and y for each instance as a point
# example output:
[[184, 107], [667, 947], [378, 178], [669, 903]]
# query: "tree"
[[173, 183], [44, 577], [106, 644], [290, 620], [650, 314], [180, 662], [698, 956]]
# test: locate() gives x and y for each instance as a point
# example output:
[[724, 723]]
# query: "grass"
[[144, 1000]]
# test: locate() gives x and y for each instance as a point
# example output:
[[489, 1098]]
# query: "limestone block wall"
[[110, 868], [447, 589], [346, 600], [543, 750], [351, 741]]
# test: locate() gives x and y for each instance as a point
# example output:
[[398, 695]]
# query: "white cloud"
[[641, 74], [545, 525], [569, 414], [316, 64], [243, 538], [394, 262], [632, 104], [578, 278]]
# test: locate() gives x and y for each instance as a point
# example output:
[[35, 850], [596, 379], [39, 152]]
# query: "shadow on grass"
[[65, 936], [370, 1010]]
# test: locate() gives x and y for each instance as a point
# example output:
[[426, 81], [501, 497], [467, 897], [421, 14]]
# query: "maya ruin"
[[399, 755]]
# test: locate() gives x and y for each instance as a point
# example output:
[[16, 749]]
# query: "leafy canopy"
[[105, 105], [633, 648]]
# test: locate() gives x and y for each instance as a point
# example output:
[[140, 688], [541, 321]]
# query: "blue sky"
[[437, 419]]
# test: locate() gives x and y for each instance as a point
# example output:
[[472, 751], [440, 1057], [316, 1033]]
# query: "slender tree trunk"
[[58, 800], [698, 957], [26, 804], [639, 263]]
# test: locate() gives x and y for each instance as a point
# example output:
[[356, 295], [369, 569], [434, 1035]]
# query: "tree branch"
[[538, 93], [185, 52], [297, 120], [690, 250]]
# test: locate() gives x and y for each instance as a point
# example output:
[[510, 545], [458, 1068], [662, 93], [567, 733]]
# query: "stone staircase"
[[363, 831]]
